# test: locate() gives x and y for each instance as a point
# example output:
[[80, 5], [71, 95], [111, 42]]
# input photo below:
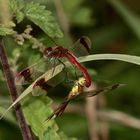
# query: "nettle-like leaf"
[[5, 31], [52, 135], [16, 7], [19, 16], [43, 18], [36, 110]]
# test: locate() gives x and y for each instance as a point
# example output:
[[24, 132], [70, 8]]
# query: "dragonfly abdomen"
[[73, 60]]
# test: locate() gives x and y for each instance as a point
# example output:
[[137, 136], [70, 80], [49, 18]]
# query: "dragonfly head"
[[47, 51], [56, 52]]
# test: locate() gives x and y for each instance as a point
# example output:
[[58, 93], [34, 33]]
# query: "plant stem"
[[26, 133]]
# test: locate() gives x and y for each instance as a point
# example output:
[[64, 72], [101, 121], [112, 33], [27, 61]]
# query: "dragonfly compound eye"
[[47, 51]]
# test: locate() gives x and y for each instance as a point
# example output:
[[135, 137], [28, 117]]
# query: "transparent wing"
[[81, 47], [100, 91], [29, 74]]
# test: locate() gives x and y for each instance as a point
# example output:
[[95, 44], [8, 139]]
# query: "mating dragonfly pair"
[[29, 74], [51, 54]]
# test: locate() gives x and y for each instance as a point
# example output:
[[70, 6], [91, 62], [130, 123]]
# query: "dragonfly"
[[37, 75], [77, 91], [29, 74]]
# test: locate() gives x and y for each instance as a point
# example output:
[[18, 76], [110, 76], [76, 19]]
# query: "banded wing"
[[31, 73], [82, 46], [27, 91], [42, 86]]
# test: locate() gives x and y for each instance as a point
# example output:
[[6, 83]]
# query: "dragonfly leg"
[[66, 77], [54, 64], [75, 68], [67, 80], [75, 71]]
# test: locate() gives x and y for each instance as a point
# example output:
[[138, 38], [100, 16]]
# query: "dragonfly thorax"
[[81, 81], [55, 52]]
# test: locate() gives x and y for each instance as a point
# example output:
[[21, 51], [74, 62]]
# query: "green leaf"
[[52, 135], [16, 7], [13, 5], [19, 16], [121, 57], [43, 18], [64, 137], [5, 31], [36, 110], [131, 19]]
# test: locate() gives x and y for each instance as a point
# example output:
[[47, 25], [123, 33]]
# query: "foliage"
[[35, 118], [43, 18], [115, 36], [37, 14]]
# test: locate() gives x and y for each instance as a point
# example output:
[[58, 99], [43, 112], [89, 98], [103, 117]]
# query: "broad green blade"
[[121, 57]]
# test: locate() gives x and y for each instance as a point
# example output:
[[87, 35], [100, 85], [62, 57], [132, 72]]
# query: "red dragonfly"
[[31, 73], [78, 91]]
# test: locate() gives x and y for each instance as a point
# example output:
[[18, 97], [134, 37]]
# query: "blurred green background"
[[113, 27]]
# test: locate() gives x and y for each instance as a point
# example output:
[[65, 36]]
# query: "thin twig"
[[91, 115], [121, 118], [26, 133], [103, 123]]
